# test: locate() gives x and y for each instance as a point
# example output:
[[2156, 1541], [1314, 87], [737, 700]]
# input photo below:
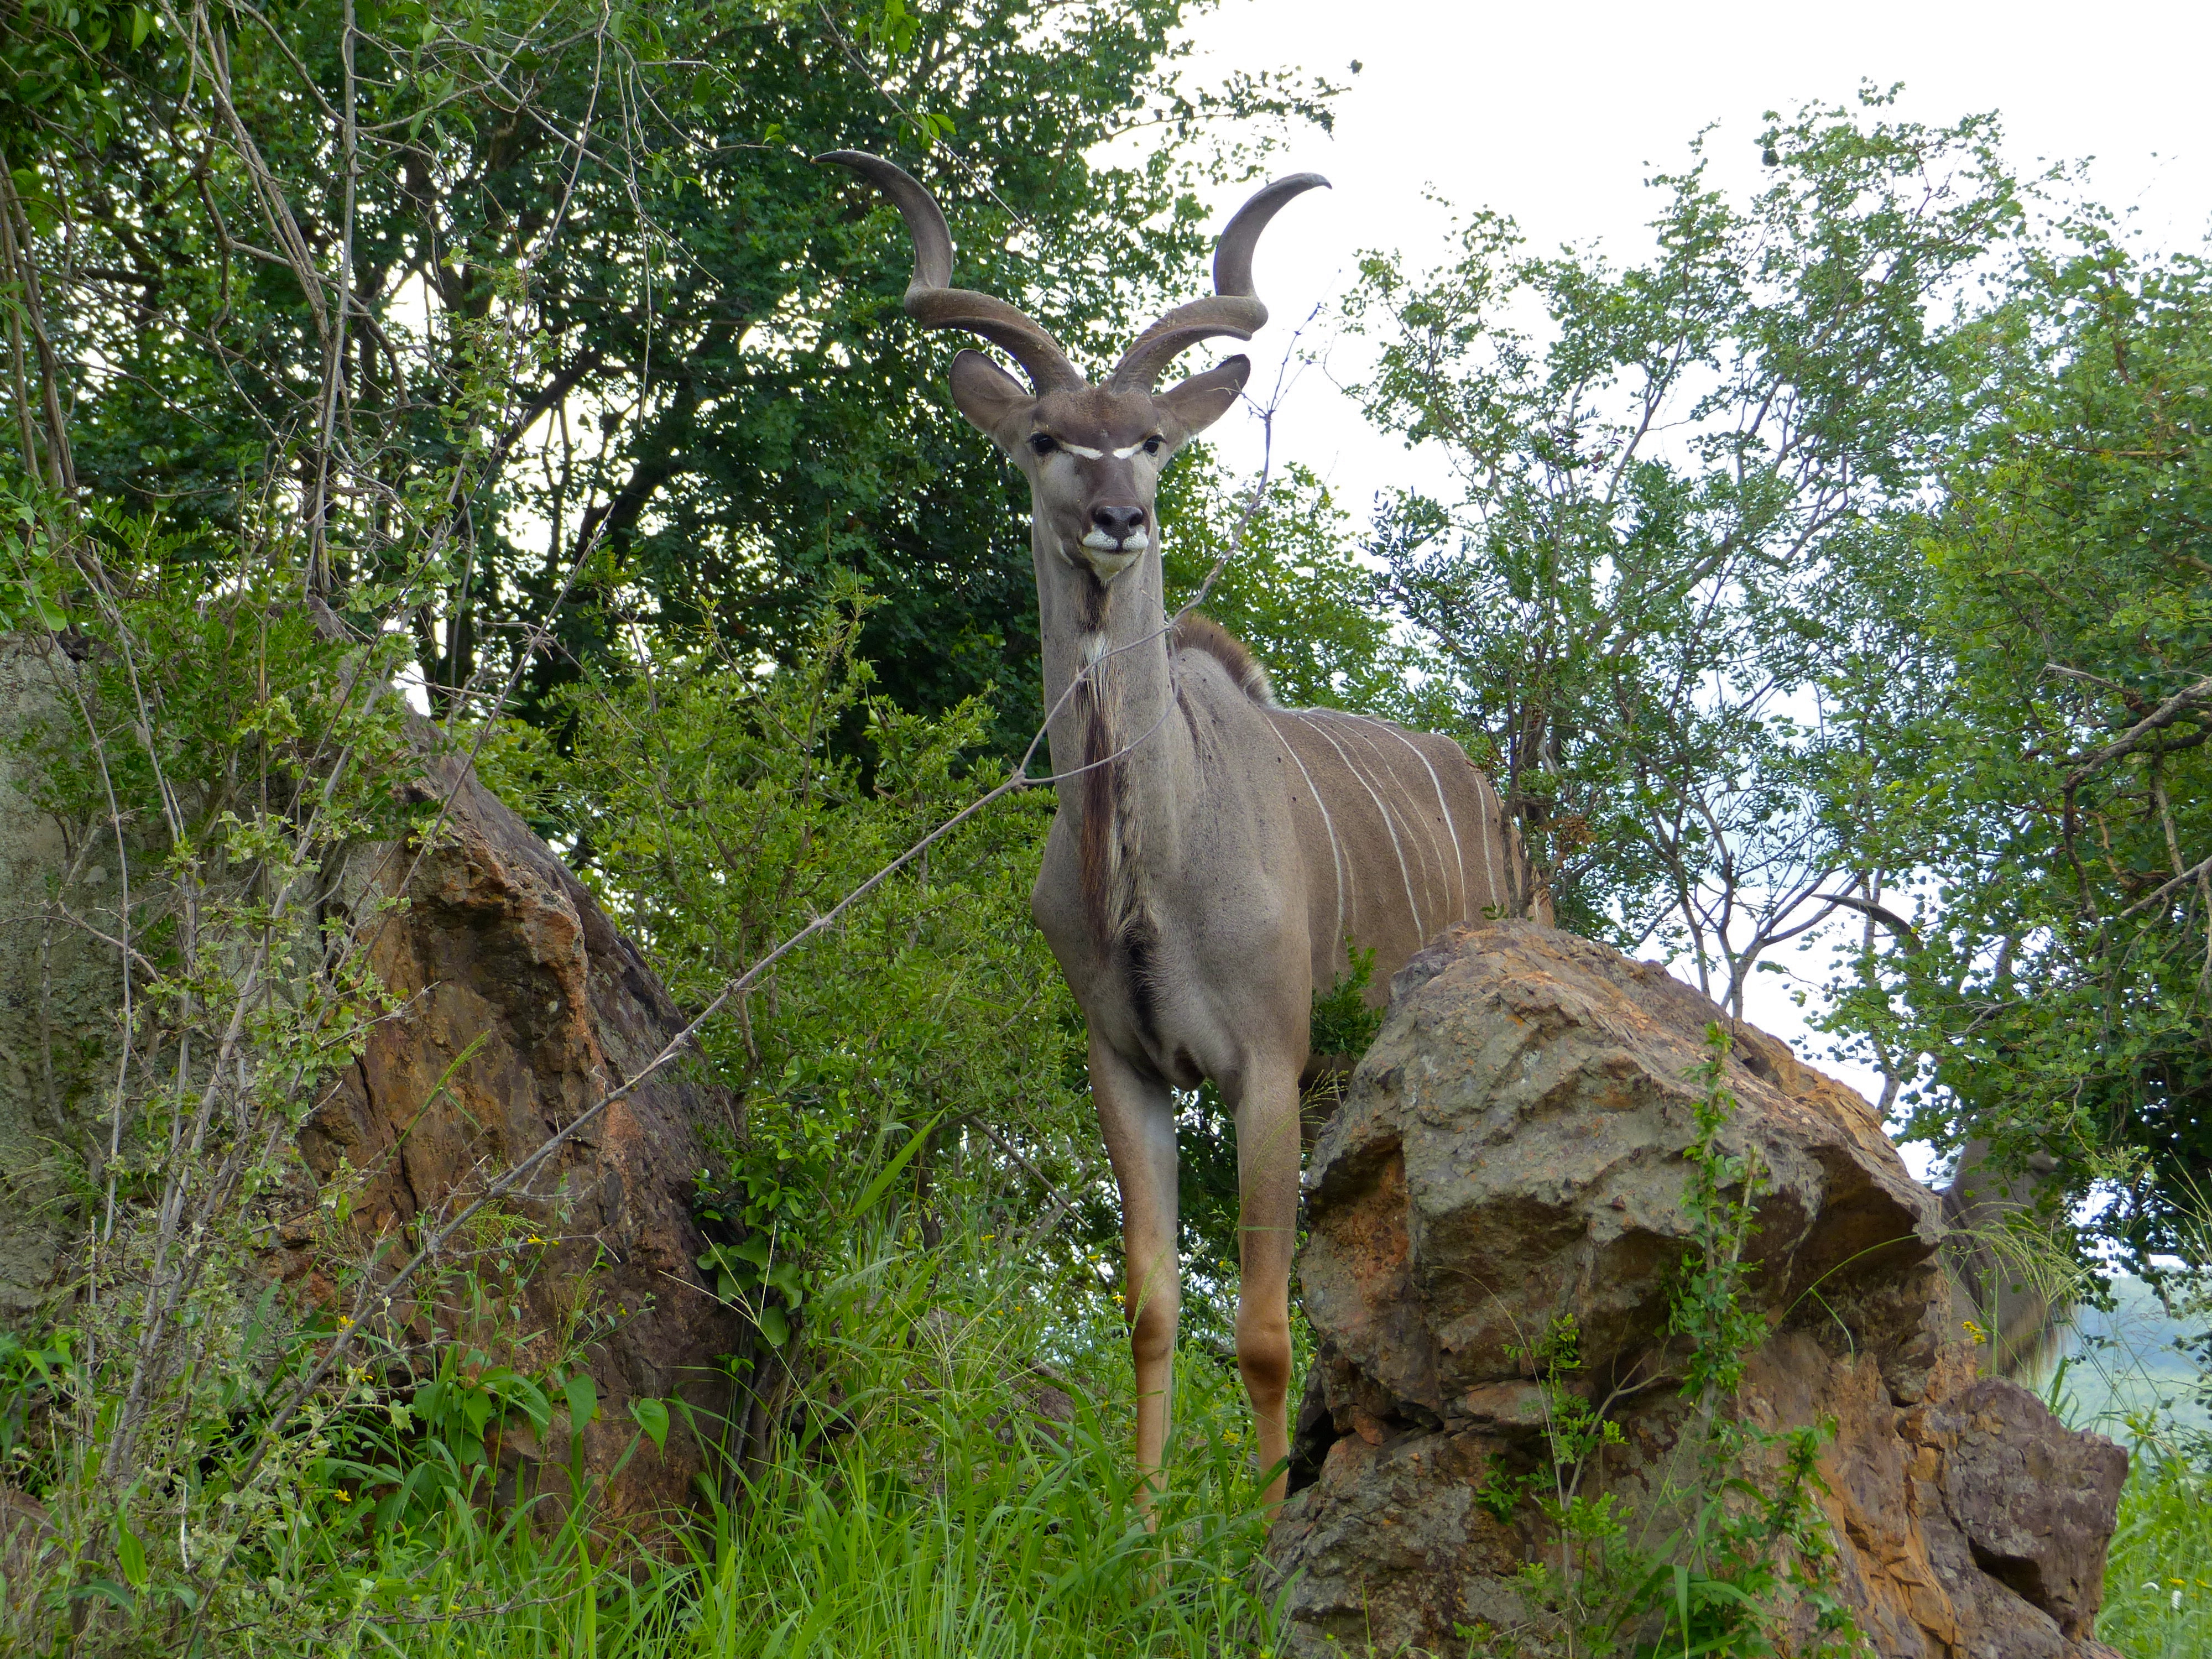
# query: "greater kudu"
[[1213, 853]]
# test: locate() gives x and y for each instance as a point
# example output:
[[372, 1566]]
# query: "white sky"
[[1556, 115]]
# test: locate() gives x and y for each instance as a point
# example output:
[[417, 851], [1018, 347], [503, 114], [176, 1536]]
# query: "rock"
[[521, 1006], [1512, 1150], [499, 947]]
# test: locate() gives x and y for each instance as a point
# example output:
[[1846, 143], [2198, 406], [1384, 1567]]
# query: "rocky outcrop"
[[518, 1006], [521, 1007], [1513, 1148]]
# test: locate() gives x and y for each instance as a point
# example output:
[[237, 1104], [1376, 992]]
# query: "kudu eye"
[[1040, 443], [1152, 444]]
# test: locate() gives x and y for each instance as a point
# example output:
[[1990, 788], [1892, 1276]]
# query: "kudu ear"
[[1202, 400], [986, 393]]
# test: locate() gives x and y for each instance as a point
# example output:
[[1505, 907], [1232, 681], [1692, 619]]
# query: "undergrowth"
[[956, 1485], [2158, 1578]]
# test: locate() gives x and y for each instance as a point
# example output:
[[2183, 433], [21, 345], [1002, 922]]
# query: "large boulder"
[[521, 1006], [1512, 1150]]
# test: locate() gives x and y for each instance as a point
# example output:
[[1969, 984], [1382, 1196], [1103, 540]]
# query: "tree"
[[1642, 600], [2051, 985], [286, 258], [1293, 589]]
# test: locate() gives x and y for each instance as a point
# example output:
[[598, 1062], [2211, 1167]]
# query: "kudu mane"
[[1195, 631]]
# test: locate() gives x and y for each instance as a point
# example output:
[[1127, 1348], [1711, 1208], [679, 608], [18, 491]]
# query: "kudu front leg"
[[1136, 1115], [1268, 1144]]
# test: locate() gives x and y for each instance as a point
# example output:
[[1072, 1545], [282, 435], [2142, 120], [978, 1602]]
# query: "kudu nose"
[[1119, 522]]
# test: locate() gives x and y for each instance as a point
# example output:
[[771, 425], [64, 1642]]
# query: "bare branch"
[[2181, 702]]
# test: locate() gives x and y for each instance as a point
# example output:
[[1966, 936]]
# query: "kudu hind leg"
[[1268, 1144], [1136, 1115]]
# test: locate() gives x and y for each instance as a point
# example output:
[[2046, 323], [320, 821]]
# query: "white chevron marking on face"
[[1124, 455], [1087, 454]]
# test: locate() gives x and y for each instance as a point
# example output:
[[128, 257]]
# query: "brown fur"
[[1102, 856], [1198, 632], [1098, 814], [1107, 854]]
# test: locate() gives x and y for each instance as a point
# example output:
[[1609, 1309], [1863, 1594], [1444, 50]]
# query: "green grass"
[[2128, 1376], [928, 1512], [933, 1513], [1034, 1551], [2158, 1584]]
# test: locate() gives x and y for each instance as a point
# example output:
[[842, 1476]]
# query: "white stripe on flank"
[[1486, 798], [1379, 767], [1336, 852], [1444, 806], [1367, 728], [1389, 824]]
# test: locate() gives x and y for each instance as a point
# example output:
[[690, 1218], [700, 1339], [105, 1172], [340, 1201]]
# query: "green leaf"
[[652, 1416], [516, 1390], [104, 1587], [583, 1402], [775, 1327], [877, 1187], [130, 1556]]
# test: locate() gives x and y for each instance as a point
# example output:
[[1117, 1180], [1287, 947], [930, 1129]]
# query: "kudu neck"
[[1119, 624]]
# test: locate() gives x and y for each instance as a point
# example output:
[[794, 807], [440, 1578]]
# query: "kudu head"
[[1092, 453]]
